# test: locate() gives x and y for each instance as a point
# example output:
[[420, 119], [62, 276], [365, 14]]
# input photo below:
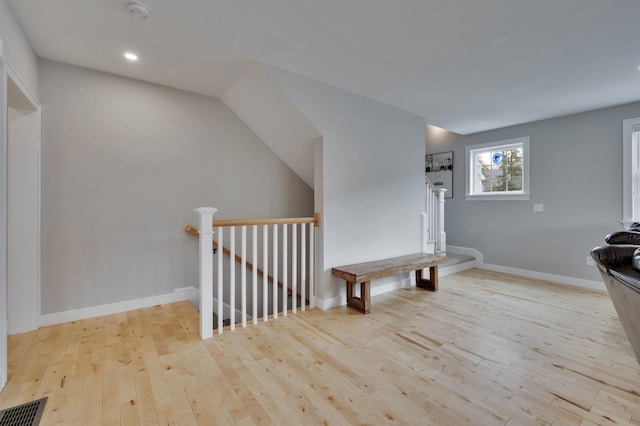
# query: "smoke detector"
[[139, 9]]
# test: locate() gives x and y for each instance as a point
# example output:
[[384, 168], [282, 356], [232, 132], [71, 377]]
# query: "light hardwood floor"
[[485, 349]]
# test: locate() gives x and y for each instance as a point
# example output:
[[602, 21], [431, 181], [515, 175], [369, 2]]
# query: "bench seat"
[[363, 273]]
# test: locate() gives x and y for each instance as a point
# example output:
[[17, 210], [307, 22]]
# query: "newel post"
[[442, 236], [206, 271]]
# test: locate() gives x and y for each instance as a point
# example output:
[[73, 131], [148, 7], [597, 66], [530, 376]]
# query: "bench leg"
[[428, 284], [362, 303]]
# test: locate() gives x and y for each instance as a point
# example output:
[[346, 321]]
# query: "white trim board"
[[325, 304], [629, 166], [180, 294]]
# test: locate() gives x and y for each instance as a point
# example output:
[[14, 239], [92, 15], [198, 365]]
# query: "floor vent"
[[28, 414]]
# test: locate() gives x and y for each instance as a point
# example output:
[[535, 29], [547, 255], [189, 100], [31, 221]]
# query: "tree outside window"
[[498, 170]]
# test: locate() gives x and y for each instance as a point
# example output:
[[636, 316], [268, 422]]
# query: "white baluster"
[[294, 267], [265, 276], [285, 258], [232, 277], [254, 277], [442, 236], [243, 275], [436, 220], [312, 273], [425, 231], [275, 272], [220, 280], [303, 264], [428, 211], [206, 271], [432, 215]]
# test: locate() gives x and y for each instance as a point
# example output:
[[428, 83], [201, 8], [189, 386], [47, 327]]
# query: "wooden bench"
[[363, 273]]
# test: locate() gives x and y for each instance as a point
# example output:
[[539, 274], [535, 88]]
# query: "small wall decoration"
[[439, 171]]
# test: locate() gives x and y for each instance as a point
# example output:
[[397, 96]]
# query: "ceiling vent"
[[139, 9]]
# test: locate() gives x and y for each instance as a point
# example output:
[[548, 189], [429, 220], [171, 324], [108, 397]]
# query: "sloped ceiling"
[[465, 65], [271, 114]]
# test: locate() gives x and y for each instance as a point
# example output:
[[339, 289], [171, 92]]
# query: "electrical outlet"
[[590, 261], [538, 207]]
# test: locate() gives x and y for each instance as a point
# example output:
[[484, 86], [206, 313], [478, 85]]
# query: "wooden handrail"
[[278, 221], [193, 231], [431, 187]]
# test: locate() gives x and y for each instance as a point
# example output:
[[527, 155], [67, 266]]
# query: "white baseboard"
[[334, 302], [341, 300], [191, 294], [560, 279], [187, 293]]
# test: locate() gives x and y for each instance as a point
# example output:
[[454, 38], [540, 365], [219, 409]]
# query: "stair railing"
[[434, 221], [225, 251], [284, 253]]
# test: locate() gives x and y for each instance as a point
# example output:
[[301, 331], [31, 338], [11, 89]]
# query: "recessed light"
[[131, 56]]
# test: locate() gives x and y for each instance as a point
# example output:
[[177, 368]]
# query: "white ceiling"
[[465, 65]]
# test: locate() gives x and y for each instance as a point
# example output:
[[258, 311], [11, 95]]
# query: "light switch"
[[538, 207]]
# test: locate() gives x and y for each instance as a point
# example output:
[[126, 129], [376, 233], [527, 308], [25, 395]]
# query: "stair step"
[[456, 263], [454, 259]]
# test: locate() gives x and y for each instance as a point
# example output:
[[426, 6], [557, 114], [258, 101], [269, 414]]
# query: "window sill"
[[498, 197]]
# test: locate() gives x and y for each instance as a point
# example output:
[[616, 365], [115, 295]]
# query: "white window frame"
[[510, 195], [630, 171]]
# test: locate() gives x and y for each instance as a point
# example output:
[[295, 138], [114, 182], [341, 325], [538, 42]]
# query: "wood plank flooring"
[[486, 349]]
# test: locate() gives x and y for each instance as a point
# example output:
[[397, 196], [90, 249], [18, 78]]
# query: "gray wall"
[[17, 49], [371, 177], [124, 163], [576, 172]]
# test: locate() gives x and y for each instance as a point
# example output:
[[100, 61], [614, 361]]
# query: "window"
[[631, 170], [498, 170]]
